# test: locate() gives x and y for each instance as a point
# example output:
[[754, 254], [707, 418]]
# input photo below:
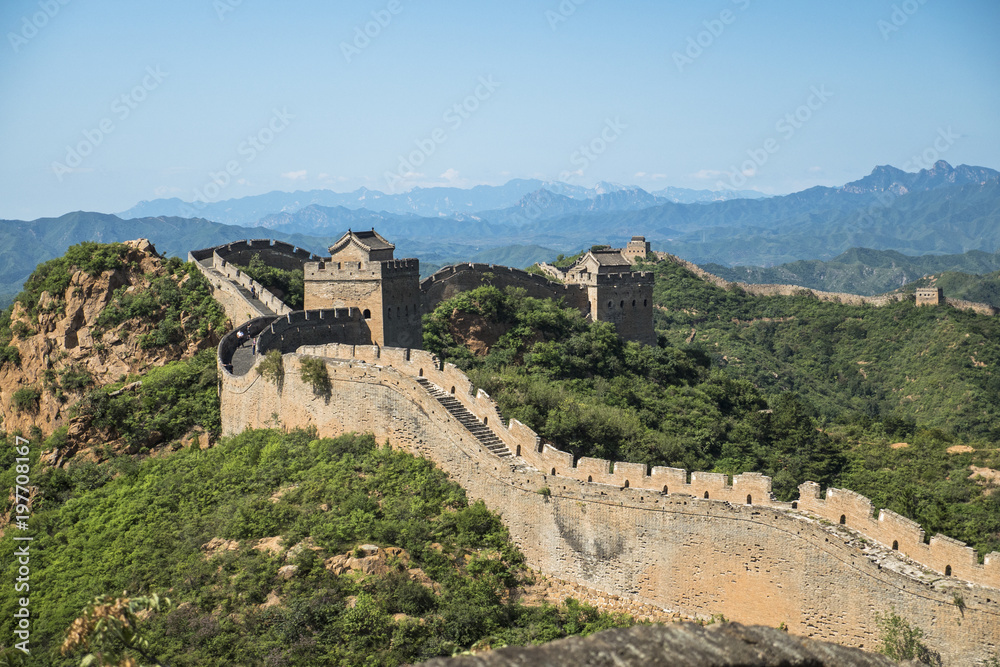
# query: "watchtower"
[[929, 296], [361, 272], [637, 248], [616, 293]]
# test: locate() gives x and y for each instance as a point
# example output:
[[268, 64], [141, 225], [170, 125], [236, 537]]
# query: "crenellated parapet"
[[699, 542], [942, 554]]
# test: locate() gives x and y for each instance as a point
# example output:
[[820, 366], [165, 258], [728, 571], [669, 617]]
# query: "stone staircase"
[[482, 433], [258, 305]]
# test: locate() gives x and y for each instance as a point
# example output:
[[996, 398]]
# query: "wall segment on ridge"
[[659, 536], [755, 563]]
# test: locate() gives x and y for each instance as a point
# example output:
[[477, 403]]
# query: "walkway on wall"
[[257, 304], [482, 433], [243, 359]]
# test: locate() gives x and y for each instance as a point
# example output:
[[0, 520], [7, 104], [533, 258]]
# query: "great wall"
[[697, 542]]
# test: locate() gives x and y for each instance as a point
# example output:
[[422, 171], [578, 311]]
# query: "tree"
[[109, 627]]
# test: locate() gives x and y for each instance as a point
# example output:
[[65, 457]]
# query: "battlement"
[[326, 269], [944, 555], [448, 271], [621, 279], [941, 554]]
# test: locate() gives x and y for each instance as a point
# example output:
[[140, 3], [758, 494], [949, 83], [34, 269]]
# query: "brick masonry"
[[659, 538]]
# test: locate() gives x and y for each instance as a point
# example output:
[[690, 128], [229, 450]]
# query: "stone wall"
[[836, 297], [238, 308], [274, 253], [452, 280], [625, 300], [738, 552]]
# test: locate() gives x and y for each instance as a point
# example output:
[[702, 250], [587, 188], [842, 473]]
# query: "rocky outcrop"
[[688, 644], [62, 355]]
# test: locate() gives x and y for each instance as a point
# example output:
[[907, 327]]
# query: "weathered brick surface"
[[759, 563], [697, 544]]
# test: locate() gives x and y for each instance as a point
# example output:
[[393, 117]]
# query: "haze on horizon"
[[107, 104]]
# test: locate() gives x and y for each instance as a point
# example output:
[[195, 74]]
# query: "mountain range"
[[428, 202], [942, 210]]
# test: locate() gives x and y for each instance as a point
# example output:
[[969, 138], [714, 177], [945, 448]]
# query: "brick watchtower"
[[616, 293], [362, 273]]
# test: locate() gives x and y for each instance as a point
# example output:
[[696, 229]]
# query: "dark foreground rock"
[[684, 644]]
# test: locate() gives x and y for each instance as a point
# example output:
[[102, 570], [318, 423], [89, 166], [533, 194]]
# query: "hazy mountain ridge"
[[868, 272], [427, 202]]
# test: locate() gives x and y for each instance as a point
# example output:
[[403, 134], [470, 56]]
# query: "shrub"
[[26, 399], [272, 367], [10, 354], [75, 378], [315, 374], [901, 641]]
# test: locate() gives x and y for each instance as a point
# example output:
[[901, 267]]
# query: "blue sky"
[[109, 102]]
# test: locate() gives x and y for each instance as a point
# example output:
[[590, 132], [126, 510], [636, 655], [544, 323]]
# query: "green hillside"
[[23, 245], [153, 517], [779, 392]]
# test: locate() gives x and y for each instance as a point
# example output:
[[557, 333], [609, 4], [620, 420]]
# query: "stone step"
[[482, 433]]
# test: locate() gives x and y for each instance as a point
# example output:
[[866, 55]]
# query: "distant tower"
[[616, 293], [929, 296], [637, 248], [362, 273]]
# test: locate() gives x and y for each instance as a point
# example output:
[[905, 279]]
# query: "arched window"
[[644, 303], [553, 471], [633, 303], [664, 489], [843, 520], [626, 483], [518, 451], [895, 545], [749, 500], [486, 421], [622, 304], [367, 314], [421, 373], [453, 389], [947, 570], [706, 495], [611, 304], [795, 505], [590, 478]]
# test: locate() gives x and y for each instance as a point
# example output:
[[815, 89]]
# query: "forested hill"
[[933, 365], [898, 403]]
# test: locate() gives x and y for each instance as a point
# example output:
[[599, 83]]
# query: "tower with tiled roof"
[[362, 273], [616, 294]]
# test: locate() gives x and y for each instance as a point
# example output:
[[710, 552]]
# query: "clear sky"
[[109, 102]]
